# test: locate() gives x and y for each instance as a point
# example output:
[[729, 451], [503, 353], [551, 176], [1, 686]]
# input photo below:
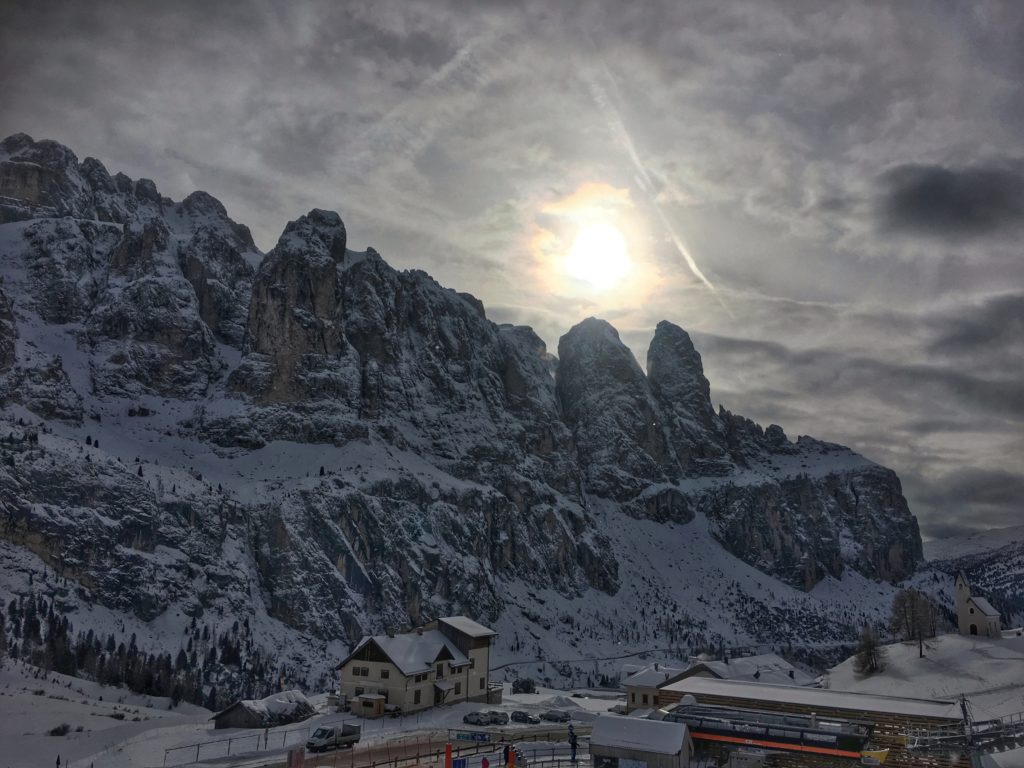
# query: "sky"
[[828, 196]]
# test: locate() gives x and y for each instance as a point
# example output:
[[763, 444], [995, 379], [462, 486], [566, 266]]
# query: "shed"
[[238, 715], [627, 742], [277, 709], [370, 705]]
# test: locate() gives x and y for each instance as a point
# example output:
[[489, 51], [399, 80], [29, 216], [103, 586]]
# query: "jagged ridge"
[[461, 461]]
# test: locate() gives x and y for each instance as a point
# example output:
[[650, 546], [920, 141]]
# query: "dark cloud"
[[972, 498], [948, 201], [997, 324], [828, 372]]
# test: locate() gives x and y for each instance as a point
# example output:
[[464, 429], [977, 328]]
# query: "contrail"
[[644, 180]]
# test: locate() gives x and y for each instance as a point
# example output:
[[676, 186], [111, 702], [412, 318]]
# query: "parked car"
[[555, 716], [477, 718], [498, 718], [335, 737], [524, 717]]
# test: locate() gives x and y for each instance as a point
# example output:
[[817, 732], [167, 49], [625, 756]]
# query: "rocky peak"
[[676, 373], [606, 401], [676, 376], [40, 174], [319, 233], [201, 203]]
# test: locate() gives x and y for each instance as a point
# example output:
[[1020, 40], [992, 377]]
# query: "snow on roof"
[[651, 676], [278, 708], [370, 696], [467, 626], [766, 668], [984, 606], [817, 697], [444, 685], [413, 653], [657, 736]]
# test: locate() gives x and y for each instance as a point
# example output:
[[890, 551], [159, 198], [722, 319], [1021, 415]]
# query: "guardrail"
[[402, 750]]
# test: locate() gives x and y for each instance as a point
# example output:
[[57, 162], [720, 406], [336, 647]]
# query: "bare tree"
[[870, 654], [914, 617]]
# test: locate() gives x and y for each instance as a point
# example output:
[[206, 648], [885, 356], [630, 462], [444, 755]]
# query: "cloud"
[[849, 176], [945, 201], [996, 325], [972, 498]]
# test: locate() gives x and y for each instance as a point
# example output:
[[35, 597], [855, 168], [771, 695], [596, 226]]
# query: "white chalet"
[[974, 615], [445, 661]]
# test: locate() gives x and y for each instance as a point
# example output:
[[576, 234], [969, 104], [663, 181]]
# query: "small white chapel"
[[975, 615]]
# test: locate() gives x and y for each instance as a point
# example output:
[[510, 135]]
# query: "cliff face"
[[349, 447]]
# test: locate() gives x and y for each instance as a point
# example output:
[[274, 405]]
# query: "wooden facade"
[[889, 730]]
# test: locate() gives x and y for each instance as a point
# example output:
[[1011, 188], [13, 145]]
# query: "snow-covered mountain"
[[194, 434]]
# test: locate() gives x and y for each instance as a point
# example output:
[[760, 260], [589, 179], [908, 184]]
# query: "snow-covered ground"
[[33, 703], [989, 672], [115, 728]]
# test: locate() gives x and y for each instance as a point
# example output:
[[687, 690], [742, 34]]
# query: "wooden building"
[[890, 718]]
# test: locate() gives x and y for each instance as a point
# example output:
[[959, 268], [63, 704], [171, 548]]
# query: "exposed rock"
[[387, 453], [8, 332], [607, 403]]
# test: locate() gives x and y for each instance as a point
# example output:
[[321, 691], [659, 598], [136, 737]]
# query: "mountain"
[[994, 563], [287, 450]]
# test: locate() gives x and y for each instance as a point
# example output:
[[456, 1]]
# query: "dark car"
[[555, 716], [497, 718], [524, 717]]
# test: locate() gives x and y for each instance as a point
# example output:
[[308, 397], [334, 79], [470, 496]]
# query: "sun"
[[598, 257]]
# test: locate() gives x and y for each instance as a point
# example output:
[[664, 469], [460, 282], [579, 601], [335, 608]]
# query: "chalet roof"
[[413, 653], [277, 706], [984, 606], [467, 626], [765, 668], [651, 676], [657, 736], [939, 709]]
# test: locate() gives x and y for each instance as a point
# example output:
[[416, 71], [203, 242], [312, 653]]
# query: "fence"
[[248, 742]]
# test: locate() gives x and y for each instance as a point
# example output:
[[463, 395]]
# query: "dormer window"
[[972, 611]]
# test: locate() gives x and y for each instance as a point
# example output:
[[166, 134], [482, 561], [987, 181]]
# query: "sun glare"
[[598, 257]]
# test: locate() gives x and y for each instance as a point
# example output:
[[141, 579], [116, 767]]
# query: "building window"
[[472, 663], [481, 683], [458, 688], [632, 697], [972, 611], [440, 670], [359, 691], [385, 674], [644, 698], [416, 696]]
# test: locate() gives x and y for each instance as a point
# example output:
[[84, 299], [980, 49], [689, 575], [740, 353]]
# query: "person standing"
[[504, 754]]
